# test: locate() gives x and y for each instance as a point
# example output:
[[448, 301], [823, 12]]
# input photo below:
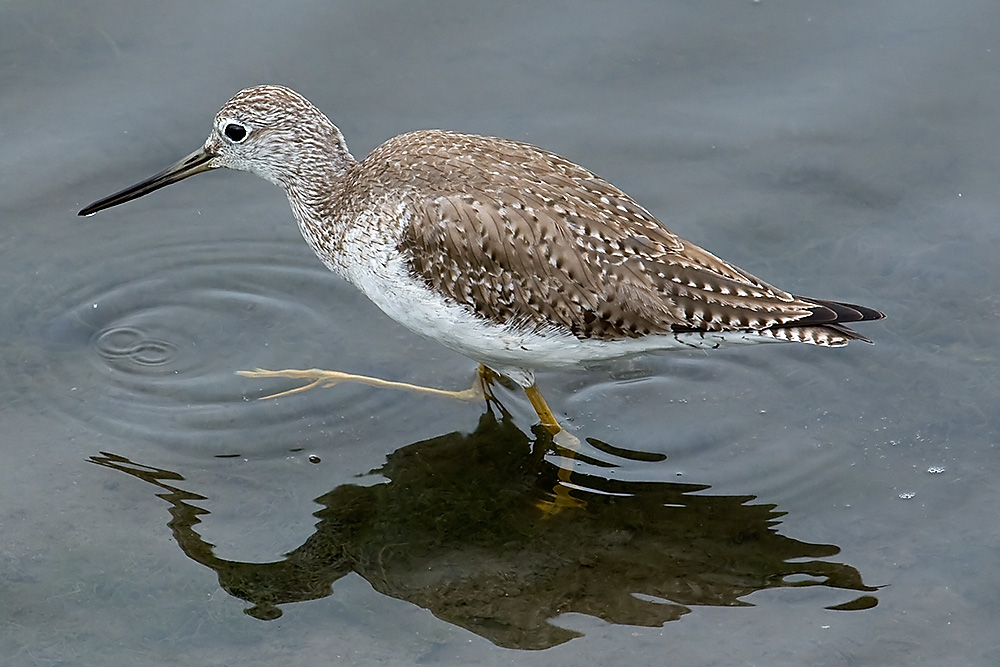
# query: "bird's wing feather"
[[550, 243]]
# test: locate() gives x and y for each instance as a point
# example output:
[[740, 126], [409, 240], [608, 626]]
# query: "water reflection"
[[487, 533]]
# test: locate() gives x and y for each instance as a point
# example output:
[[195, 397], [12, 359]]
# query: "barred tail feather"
[[825, 325]]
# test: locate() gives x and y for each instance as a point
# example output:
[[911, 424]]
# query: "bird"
[[504, 252]]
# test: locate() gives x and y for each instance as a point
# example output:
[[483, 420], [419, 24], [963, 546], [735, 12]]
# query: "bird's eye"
[[235, 132]]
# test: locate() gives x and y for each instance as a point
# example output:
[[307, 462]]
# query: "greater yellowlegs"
[[506, 253]]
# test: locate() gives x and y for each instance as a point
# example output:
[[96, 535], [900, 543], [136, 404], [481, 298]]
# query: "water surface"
[[774, 505]]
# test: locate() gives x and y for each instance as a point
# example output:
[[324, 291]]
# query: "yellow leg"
[[568, 446], [320, 378], [316, 377], [548, 419]]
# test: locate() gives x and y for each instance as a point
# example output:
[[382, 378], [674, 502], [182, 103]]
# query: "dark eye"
[[236, 132]]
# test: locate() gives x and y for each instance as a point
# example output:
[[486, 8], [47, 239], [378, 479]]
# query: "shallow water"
[[780, 505]]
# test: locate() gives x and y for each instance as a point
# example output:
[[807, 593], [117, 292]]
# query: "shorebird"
[[506, 253]]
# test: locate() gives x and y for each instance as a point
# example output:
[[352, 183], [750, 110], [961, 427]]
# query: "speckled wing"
[[530, 239]]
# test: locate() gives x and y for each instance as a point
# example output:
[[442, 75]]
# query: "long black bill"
[[195, 163]]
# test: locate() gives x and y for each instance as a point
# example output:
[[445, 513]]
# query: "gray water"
[[778, 505]]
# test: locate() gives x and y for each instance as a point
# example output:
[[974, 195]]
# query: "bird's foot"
[[559, 501], [560, 498], [316, 377]]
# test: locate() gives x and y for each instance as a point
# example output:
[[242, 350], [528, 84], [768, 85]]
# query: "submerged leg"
[[567, 447], [320, 378], [545, 415]]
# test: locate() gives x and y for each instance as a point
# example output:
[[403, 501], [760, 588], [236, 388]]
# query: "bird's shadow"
[[490, 532]]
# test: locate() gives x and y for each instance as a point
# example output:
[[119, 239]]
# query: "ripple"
[[135, 345], [147, 344]]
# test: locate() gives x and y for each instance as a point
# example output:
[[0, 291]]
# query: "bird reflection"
[[489, 534]]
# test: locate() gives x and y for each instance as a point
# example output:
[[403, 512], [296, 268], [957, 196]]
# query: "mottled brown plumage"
[[527, 238]]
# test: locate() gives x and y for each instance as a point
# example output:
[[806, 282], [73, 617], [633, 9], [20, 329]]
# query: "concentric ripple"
[[133, 344], [147, 345]]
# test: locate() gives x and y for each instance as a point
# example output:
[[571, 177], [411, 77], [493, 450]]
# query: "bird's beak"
[[194, 163]]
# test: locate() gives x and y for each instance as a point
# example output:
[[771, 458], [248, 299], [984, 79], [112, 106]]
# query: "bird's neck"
[[314, 203]]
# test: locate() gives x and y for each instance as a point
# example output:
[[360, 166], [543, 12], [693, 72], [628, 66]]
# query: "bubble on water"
[[906, 495], [936, 470]]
